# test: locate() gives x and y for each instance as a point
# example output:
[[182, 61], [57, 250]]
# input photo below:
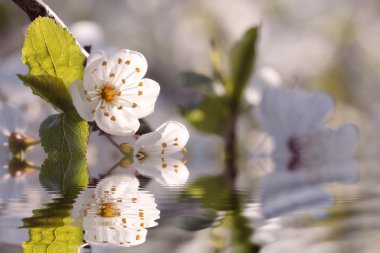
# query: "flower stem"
[[112, 141]]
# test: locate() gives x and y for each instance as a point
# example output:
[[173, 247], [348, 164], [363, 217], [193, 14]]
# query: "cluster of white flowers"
[[306, 153], [115, 95]]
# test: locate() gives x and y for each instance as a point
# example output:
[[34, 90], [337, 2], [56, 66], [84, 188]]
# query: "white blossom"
[[156, 153], [114, 93]]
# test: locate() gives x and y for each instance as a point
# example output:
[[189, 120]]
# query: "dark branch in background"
[[37, 8]]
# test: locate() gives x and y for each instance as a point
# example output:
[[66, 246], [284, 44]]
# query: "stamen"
[[119, 61], [113, 118], [139, 92]]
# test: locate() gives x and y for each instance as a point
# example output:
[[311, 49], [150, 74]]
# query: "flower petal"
[[92, 72], [326, 145], [117, 122], [174, 136], [284, 114], [11, 120], [140, 97], [130, 67], [82, 106], [147, 140]]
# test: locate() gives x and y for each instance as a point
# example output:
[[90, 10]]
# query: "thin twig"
[[37, 8], [113, 142]]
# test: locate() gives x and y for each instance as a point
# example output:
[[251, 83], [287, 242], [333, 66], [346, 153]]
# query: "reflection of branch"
[[36, 8], [230, 147]]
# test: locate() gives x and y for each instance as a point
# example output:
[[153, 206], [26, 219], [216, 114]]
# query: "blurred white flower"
[[88, 33], [12, 133], [307, 154], [155, 153], [113, 92], [263, 78], [295, 120], [119, 213]]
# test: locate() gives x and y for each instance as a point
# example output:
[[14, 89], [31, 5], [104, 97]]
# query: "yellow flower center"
[[108, 93], [108, 210]]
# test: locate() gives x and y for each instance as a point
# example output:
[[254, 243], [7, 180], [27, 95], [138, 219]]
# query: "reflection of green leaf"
[[49, 49], [64, 138], [239, 236], [211, 191], [210, 116], [50, 89], [194, 223], [192, 79], [242, 57], [66, 239], [51, 229]]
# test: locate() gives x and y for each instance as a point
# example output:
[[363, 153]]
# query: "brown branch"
[[37, 8]]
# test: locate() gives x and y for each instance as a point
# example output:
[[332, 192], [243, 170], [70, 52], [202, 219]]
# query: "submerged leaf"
[[49, 88], [64, 138], [50, 49]]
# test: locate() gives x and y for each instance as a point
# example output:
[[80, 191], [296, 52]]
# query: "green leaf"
[[64, 138], [242, 57], [196, 80], [210, 115], [49, 88], [50, 49]]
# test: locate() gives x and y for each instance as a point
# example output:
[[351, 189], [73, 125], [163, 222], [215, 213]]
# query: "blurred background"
[[314, 45]]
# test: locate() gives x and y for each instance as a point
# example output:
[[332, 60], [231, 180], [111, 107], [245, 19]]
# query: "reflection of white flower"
[[154, 153], [283, 192], [12, 126], [119, 213], [113, 92]]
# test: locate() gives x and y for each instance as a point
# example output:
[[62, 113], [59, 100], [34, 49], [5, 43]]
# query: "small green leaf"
[[242, 57], [210, 115], [196, 80], [49, 88], [50, 49], [64, 138]]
